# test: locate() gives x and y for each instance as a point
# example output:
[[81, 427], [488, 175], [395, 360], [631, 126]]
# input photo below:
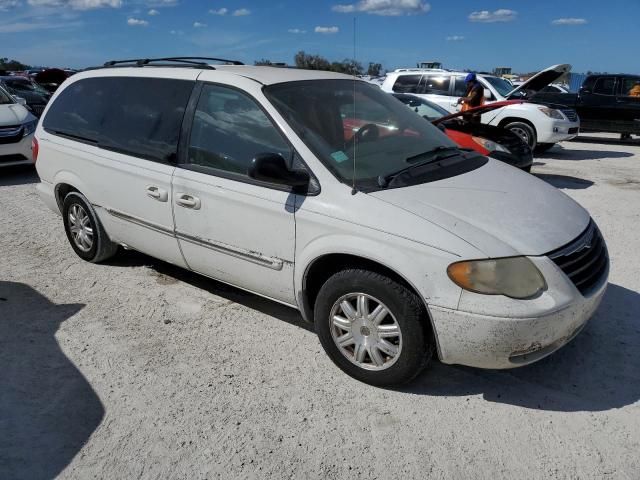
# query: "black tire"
[[102, 247], [527, 169], [410, 315], [525, 131], [543, 147]]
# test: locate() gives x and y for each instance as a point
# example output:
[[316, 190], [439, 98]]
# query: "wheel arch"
[[508, 120], [318, 271]]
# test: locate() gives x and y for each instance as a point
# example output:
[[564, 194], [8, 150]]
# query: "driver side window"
[[229, 129]]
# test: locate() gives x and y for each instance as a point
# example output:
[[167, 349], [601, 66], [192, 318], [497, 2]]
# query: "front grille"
[[37, 109], [585, 260], [570, 114], [12, 134]]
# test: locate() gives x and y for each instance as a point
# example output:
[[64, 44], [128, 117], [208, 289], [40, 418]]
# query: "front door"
[[628, 105], [598, 107], [230, 227]]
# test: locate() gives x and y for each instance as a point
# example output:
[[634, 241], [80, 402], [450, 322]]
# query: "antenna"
[[355, 136]]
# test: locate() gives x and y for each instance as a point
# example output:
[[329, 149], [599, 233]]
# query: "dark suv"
[[605, 103]]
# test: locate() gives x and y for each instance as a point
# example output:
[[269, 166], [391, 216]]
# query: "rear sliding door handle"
[[188, 201], [157, 193]]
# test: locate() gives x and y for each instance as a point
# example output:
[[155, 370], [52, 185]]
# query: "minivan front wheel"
[[372, 327], [84, 230]]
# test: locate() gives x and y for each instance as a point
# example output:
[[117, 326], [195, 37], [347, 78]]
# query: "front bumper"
[[558, 130], [490, 341], [18, 153]]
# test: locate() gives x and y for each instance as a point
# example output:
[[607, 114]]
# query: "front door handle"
[[157, 193], [188, 201]]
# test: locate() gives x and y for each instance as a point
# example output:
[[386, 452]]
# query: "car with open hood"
[[396, 247], [17, 126], [36, 97], [540, 125], [490, 140]]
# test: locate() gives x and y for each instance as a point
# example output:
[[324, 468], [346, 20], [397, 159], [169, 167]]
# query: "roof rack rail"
[[171, 62]]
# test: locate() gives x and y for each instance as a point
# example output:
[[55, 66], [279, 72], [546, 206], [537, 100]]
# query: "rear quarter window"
[[137, 116]]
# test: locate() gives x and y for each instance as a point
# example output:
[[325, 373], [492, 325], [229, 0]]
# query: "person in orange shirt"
[[635, 90]]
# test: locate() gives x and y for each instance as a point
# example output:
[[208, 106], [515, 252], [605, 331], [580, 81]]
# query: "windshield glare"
[[339, 118], [502, 86]]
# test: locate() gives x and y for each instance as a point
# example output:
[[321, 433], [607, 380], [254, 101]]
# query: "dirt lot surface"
[[136, 369]]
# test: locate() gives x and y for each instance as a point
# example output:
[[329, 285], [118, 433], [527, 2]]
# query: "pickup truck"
[[605, 103]]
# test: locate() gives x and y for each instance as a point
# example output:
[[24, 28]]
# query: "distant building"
[[504, 72], [430, 64]]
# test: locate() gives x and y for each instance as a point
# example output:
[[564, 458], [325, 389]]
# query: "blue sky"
[[478, 34]]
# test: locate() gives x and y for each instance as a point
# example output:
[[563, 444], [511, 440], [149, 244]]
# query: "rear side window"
[[605, 86], [435, 84], [407, 84], [135, 116]]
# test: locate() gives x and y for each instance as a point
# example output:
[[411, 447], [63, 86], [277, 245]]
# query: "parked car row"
[[540, 125], [324, 193], [17, 126]]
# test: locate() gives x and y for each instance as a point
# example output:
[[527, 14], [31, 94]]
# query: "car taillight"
[[34, 149]]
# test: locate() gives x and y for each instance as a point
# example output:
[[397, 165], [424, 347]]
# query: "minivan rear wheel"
[[84, 230], [372, 327]]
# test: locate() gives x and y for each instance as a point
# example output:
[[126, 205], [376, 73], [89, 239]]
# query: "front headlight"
[[29, 128], [490, 145], [552, 113], [515, 277]]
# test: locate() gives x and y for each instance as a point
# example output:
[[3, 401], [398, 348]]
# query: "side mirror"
[[272, 168], [585, 90], [487, 94], [20, 100]]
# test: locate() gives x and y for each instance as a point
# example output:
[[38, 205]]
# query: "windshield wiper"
[[436, 154]]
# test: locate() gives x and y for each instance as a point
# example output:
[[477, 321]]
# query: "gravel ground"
[[137, 369]]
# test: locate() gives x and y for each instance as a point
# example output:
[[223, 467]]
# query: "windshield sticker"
[[339, 156]]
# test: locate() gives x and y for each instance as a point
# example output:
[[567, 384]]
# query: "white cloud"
[[241, 12], [77, 4], [500, 15], [392, 8], [136, 22], [220, 11], [296, 30], [199, 25], [326, 30], [455, 38], [17, 27], [176, 32], [153, 12], [569, 21], [7, 4]]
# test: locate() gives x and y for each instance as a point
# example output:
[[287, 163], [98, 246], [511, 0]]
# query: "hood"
[[487, 107], [499, 209], [13, 114], [542, 79]]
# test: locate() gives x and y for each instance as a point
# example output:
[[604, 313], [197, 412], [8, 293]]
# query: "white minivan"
[[396, 244], [540, 125]]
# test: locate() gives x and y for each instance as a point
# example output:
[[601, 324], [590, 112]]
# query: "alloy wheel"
[[365, 331], [80, 227]]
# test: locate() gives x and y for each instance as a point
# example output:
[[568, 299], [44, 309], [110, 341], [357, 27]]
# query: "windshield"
[[5, 98], [339, 118], [502, 86], [23, 85], [422, 107]]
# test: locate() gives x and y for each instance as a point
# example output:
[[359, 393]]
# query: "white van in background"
[[541, 126]]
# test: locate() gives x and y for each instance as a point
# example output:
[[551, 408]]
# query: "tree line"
[[317, 62]]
